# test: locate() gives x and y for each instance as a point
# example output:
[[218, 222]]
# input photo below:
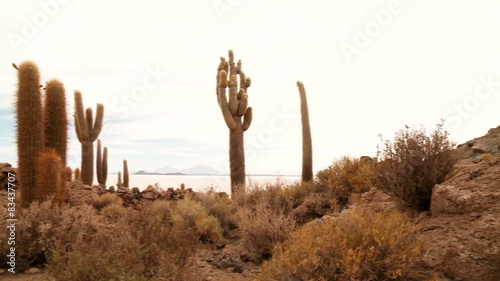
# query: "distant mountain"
[[195, 170], [142, 172]]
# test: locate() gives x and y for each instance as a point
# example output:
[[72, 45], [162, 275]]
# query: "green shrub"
[[360, 245], [410, 166]]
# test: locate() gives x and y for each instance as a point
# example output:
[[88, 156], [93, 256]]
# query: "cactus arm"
[[80, 120], [89, 117], [242, 107], [99, 116], [233, 99], [247, 119], [223, 104]]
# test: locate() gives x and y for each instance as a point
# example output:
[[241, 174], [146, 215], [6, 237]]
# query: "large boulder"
[[462, 229]]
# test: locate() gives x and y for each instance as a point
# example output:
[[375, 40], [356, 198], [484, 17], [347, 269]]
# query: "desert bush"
[[346, 177], [40, 226], [111, 254], [218, 205], [106, 199], [360, 245], [263, 225], [168, 246], [410, 166], [189, 211]]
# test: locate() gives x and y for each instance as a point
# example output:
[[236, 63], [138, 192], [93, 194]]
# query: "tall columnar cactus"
[[102, 164], [30, 135], [87, 131], [307, 159], [49, 179], [56, 119], [237, 115], [125, 174]]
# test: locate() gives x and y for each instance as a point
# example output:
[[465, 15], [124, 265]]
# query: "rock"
[[137, 193], [220, 245], [152, 195], [378, 200], [225, 263], [33, 270], [462, 234]]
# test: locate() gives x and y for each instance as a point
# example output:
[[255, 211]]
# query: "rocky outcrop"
[[462, 229], [489, 143]]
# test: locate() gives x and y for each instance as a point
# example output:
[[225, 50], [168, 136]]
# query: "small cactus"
[[119, 183], [49, 178], [102, 164], [125, 174], [68, 173], [77, 175]]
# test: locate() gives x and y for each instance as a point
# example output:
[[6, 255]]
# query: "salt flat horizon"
[[220, 183]]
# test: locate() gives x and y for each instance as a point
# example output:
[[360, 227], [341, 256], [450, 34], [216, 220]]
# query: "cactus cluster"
[[41, 136], [236, 114], [87, 131], [42, 133]]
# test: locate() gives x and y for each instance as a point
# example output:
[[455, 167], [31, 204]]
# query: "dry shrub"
[[218, 205], [117, 244], [346, 177], [192, 213], [262, 225], [410, 166], [41, 226], [167, 246], [360, 245], [111, 254], [106, 199]]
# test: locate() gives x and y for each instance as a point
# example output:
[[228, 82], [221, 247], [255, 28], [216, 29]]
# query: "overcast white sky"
[[369, 68]]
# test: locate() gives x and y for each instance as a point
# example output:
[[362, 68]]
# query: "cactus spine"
[[49, 178], [234, 110], [307, 165], [56, 119], [102, 164], [87, 131], [125, 174], [30, 135]]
